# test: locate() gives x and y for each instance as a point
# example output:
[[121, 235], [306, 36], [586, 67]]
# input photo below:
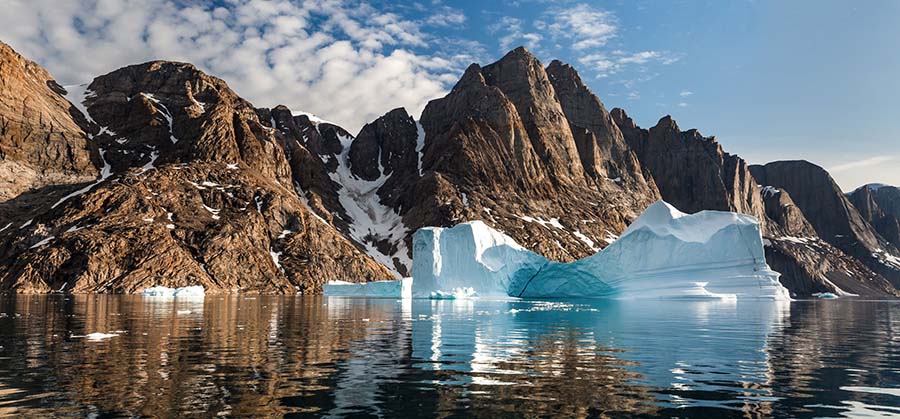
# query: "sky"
[[772, 80]]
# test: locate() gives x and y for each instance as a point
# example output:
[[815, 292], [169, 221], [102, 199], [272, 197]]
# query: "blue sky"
[[772, 80]]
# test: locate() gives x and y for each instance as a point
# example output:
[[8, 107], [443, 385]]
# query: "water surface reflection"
[[314, 356]]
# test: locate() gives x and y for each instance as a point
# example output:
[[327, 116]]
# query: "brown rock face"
[[601, 146], [524, 82], [787, 217], [692, 172], [195, 190], [42, 137], [830, 212]]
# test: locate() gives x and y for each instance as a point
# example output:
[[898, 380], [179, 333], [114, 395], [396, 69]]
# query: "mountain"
[[835, 219], [159, 174], [192, 189], [880, 206]]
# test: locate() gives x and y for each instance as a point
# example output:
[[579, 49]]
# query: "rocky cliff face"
[[193, 189], [43, 138], [831, 214], [693, 172], [880, 206]]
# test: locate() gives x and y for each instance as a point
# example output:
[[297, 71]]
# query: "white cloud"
[[344, 61], [586, 26], [447, 16], [512, 34], [685, 93], [607, 64], [859, 164]]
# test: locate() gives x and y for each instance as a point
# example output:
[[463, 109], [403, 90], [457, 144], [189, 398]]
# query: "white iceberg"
[[400, 288], [663, 254], [195, 291]]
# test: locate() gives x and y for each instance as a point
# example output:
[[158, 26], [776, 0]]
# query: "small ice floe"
[[826, 296], [195, 291], [460, 293]]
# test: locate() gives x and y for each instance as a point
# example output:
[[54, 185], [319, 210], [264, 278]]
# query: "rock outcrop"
[[880, 206], [693, 172], [43, 138]]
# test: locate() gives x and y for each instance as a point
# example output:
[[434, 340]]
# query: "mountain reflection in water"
[[244, 356]]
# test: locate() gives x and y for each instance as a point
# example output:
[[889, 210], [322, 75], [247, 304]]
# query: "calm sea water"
[[316, 356]]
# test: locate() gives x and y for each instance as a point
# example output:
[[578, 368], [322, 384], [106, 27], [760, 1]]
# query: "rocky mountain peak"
[[525, 83], [667, 123]]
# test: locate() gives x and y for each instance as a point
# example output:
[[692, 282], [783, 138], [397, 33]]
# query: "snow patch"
[[164, 111], [312, 118], [276, 256], [105, 173], [76, 95], [42, 242], [370, 221], [420, 144]]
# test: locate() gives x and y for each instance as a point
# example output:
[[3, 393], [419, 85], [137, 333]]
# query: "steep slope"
[[832, 215], [194, 190], [42, 137], [602, 148], [880, 206], [693, 172]]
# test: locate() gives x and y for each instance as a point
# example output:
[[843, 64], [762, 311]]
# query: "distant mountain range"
[[159, 174]]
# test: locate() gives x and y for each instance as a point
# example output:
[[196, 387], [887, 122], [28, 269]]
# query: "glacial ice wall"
[[663, 254]]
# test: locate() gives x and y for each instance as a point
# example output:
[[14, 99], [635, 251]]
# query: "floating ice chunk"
[[400, 288], [455, 294], [825, 296], [663, 254], [195, 291]]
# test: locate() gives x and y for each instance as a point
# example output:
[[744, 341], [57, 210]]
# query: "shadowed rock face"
[[880, 206], [831, 213], [43, 141], [692, 172]]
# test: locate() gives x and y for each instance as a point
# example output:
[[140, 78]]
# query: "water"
[[315, 356]]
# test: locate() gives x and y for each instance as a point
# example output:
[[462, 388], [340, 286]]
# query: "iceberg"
[[400, 288], [195, 291], [664, 253]]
